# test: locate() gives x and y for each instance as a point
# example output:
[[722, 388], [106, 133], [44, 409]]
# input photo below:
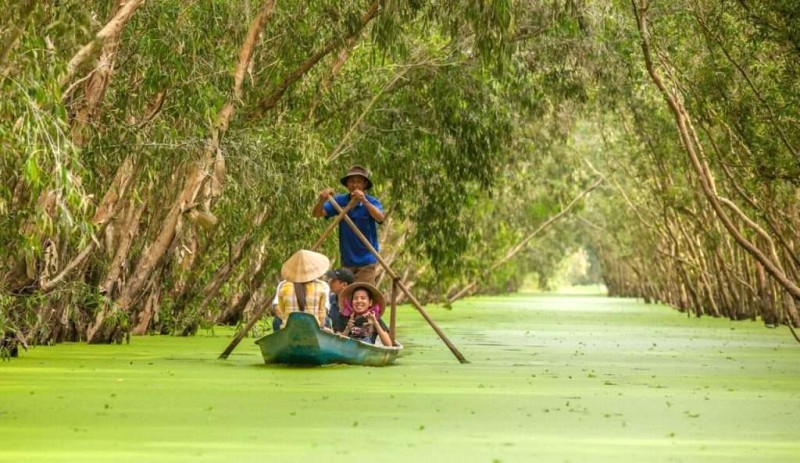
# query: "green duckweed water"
[[551, 378]]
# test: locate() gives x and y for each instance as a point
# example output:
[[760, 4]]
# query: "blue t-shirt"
[[354, 252]]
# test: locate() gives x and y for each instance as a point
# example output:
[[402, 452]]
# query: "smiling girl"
[[362, 304]]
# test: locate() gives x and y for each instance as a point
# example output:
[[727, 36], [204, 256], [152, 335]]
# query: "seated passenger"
[[303, 291], [361, 304], [337, 280]]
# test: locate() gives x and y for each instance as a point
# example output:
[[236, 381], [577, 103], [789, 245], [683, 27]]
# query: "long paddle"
[[261, 310], [396, 280]]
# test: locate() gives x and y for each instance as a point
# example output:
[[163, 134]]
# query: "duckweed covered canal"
[[551, 378]]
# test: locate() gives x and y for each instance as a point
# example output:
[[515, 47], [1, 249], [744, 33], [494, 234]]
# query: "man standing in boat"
[[366, 214]]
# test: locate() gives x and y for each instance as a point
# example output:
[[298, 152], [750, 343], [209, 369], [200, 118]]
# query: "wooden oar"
[[393, 313], [260, 312], [396, 280]]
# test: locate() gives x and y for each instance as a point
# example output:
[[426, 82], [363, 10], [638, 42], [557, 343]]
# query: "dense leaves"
[[161, 184]]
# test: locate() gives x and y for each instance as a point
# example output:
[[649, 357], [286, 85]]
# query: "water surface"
[[552, 378]]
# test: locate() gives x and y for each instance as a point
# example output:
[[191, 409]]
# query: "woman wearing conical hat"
[[303, 291], [362, 305]]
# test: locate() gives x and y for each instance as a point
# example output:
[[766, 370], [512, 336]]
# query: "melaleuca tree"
[[159, 158]]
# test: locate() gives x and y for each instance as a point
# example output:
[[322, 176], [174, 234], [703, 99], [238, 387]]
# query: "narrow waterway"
[[550, 378]]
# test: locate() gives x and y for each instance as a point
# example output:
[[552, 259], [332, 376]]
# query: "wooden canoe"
[[302, 342]]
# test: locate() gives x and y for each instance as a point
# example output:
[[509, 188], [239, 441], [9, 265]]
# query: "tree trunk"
[[109, 32]]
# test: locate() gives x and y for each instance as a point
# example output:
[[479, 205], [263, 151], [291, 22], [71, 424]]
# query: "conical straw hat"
[[305, 266], [376, 295]]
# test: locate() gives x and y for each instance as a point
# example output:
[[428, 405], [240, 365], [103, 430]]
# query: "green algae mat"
[[551, 378]]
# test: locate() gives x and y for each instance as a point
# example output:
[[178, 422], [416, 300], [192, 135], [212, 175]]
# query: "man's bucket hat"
[[357, 170]]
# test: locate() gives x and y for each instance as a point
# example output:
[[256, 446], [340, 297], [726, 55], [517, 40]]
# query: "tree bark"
[[94, 90], [112, 29]]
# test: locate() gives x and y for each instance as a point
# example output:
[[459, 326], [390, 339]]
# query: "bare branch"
[[113, 27]]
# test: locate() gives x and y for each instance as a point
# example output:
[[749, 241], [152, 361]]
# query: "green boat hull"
[[302, 342]]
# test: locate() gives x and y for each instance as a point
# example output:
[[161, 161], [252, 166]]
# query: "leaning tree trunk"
[[86, 107]]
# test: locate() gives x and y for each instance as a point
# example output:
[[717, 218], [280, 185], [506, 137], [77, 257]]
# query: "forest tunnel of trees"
[[160, 159]]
